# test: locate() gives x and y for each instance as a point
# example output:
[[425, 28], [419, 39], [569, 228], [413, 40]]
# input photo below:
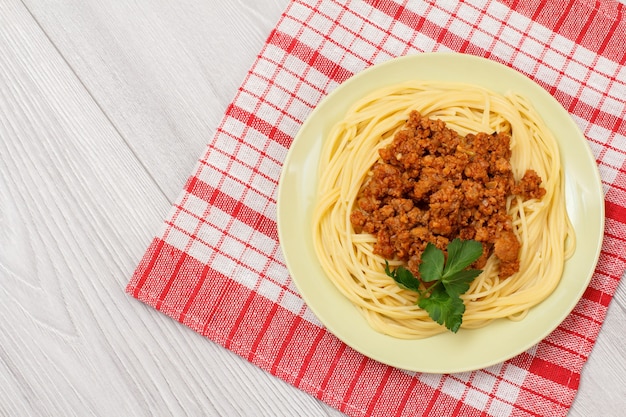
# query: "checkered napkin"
[[216, 266]]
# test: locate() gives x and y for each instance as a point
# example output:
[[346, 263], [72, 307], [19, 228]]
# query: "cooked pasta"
[[541, 225]]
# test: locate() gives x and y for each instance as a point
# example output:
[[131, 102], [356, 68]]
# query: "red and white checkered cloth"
[[217, 266]]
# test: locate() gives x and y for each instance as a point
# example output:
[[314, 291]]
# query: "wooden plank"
[[64, 193], [162, 71]]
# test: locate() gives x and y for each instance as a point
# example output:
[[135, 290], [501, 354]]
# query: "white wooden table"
[[104, 108]]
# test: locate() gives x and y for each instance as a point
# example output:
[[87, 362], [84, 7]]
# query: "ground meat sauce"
[[433, 185]]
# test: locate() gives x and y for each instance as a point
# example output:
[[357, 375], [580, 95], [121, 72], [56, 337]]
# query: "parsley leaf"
[[433, 260], [444, 308], [403, 277], [461, 254], [450, 279], [460, 282]]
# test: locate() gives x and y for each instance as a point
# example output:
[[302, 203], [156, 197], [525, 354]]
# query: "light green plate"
[[468, 349]]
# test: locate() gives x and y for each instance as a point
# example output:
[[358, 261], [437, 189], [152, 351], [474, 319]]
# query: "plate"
[[447, 352]]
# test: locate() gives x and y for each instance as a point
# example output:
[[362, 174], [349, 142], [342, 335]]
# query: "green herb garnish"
[[448, 280]]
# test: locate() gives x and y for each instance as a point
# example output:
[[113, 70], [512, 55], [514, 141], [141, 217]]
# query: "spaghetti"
[[541, 225]]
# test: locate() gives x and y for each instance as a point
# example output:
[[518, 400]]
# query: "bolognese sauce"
[[433, 185]]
